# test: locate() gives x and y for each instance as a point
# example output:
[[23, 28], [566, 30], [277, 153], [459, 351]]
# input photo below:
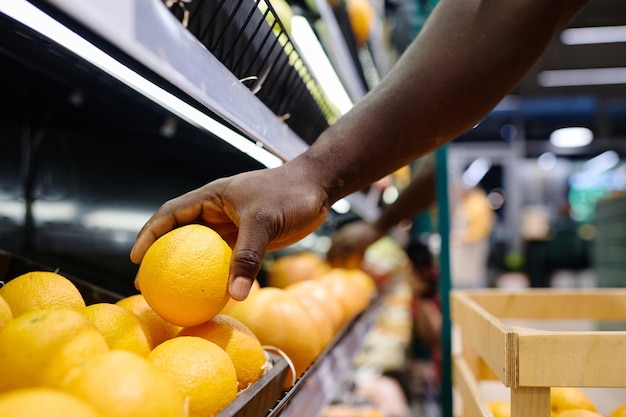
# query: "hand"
[[253, 212], [350, 243]]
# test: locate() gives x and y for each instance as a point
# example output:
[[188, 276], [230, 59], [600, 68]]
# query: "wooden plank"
[[596, 304], [490, 338], [530, 402], [578, 359], [465, 382]]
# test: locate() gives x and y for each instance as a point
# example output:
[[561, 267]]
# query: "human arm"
[[467, 57]]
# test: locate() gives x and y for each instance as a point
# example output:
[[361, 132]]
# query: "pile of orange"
[[308, 306], [181, 347], [154, 354]]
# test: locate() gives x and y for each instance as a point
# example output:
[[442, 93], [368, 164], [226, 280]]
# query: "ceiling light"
[[590, 35], [312, 52], [30, 16], [571, 137], [574, 77]]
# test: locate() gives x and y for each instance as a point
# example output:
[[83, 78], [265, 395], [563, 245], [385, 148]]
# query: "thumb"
[[246, 259]]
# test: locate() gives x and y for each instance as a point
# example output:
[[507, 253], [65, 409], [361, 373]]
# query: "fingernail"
[[240, 287]]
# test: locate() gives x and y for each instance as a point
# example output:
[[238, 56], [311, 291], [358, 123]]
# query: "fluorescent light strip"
[[579, 77], [313, 54], [593, 35], [571, 137], [37, 20]]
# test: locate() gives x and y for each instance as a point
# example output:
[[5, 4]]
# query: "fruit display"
[[181, 346]]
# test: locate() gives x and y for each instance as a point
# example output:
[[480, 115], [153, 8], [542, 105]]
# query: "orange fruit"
[[39, 290], [619, 411], [6, 315], [184, 275], [278, 319], [320, 316], [578, 412], [120, 327], [361, 16], [322, 293], [158, 329], [243, 347], [352, 297], [232, 302], [40, 347], [30, 402], [325, 298], [202, 371], [361, 279], [123, 384], [298, 267], [565, 398], [499, 408]]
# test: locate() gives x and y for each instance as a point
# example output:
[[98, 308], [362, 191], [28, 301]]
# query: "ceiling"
[[600, 107]]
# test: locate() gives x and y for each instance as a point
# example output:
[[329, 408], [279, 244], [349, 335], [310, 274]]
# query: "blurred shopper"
[[470, 229], [466, 58]]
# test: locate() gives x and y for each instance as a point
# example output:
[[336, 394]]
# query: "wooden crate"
[[529, 360]]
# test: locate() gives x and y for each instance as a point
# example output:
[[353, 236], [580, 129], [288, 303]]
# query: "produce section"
[[116, 106]]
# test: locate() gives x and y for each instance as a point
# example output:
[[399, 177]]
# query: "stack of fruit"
[[564, 402], [163, 352], [181, 347], [304, 306]]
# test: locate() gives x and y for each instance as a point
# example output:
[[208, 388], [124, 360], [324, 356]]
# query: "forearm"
[[469, 55], [418, 196]]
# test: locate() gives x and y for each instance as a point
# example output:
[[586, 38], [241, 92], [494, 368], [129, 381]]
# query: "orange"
[[278, 319], [232, 302], [30, 402], [184, 275], [499, 408], [40, 347], [154, 325], [6, 315], [564, 398], [352, 297], [202, 371], [322, 293], [320, 316], [361, 16], [123, 384], [119, 326], [40, 289], [619, 411], [578, 412], [243, 347], [361, 279], [298, 267]]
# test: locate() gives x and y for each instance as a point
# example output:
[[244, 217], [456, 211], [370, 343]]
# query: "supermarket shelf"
[[146, 32], [149, 41]]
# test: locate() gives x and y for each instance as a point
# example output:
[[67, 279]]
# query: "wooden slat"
[[607, 304], [530, 402], [489, 337], [467, 385], [578, 359]]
